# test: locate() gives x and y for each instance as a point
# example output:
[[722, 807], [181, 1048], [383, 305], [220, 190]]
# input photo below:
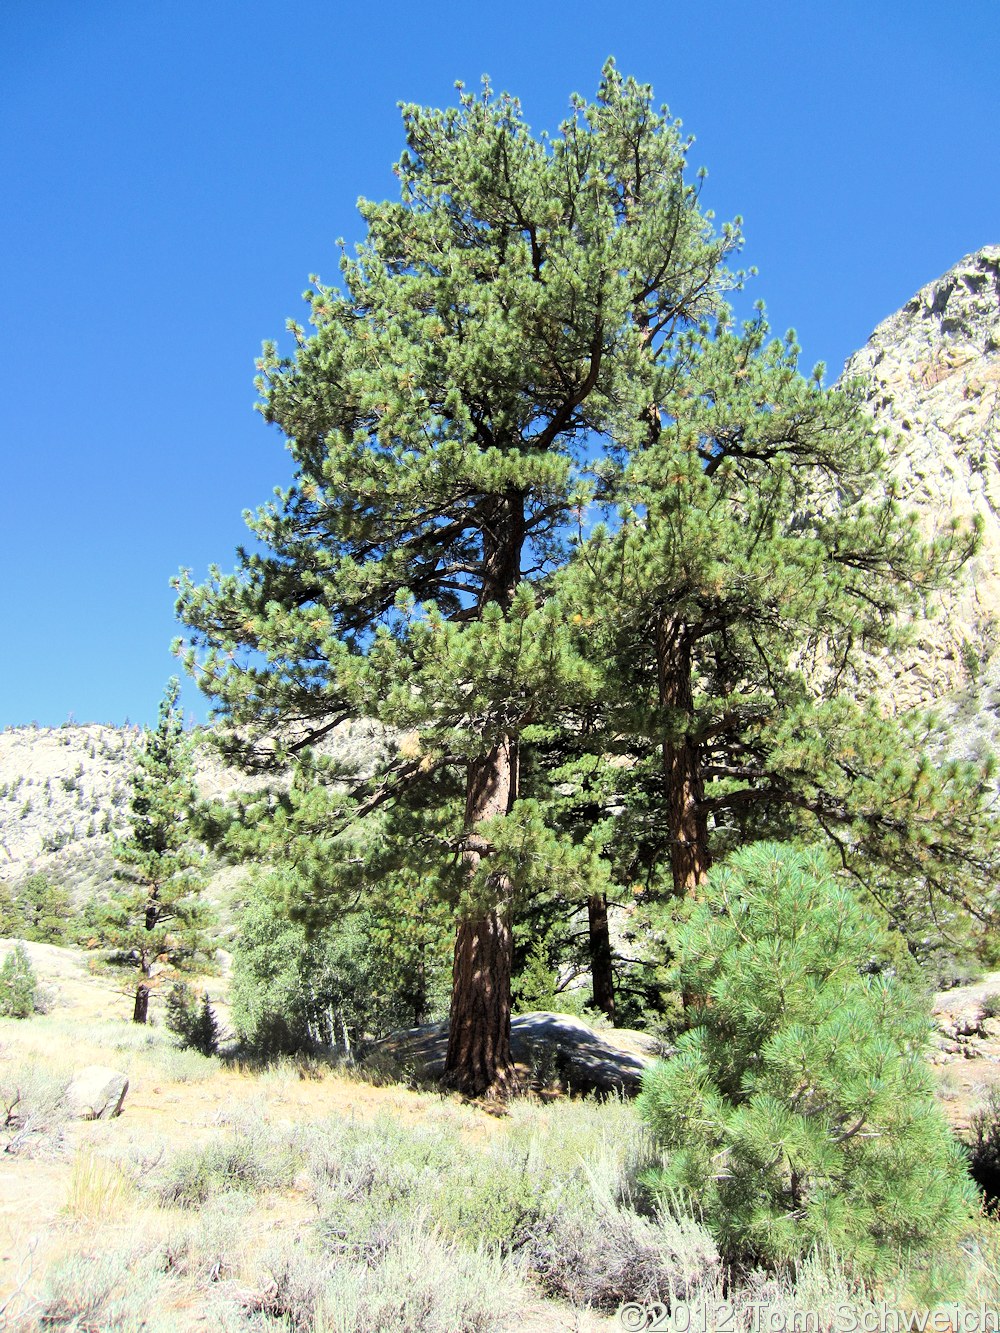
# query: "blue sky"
[[172, 173]]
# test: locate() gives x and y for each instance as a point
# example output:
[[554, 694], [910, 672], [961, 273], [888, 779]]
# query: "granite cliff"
[[931, 374]]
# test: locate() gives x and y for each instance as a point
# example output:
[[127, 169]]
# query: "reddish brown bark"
[[684, 789], [479, 1061], [601, 957]]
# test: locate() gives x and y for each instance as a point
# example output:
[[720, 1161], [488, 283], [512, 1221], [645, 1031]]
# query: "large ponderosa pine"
[[759, 561], [157, 911], [499, 326]]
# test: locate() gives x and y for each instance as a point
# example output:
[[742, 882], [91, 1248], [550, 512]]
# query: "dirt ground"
[[170, 1104]]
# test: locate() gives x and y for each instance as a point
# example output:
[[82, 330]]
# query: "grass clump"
[[98, 1189]]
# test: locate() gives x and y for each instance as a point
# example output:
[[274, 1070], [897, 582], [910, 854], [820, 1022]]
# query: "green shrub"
[[191, 1020], [799, 1107], [984, 1149], [553, 1191], [18, 985], [46, 909], [11, 917], [118, 1290]]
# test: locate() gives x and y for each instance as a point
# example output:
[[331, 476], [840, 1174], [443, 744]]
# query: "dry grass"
[[294, 1197], [98, 1189]]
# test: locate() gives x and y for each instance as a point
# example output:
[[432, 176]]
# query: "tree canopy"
[[533, 336]]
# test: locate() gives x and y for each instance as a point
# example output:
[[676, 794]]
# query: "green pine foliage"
[[191, 1019], [535, 334], [18, 985], [798, 1109], [11, 917], [499, 322], [46, 910], [157, 912]]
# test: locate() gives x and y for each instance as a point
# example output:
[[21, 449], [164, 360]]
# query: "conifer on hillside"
[[157, 912], [499, 321]]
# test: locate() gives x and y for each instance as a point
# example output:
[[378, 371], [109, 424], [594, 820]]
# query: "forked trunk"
[[601, 972], [479, 1062], [684, 790]]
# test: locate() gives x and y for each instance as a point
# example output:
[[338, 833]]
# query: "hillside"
[[64, 795]]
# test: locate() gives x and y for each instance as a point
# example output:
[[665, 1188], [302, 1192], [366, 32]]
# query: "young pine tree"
[[799, 1109], [500, 321], [157, 912]]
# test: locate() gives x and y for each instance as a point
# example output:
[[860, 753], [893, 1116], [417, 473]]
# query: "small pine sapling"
[[798, 1108]]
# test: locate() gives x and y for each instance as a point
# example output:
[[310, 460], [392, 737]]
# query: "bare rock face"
[[932, 372]]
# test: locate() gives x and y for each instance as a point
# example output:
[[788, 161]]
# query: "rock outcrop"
[[548, 1049], [932, 372]]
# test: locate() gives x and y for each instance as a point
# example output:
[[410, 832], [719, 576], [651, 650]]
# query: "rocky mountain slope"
[[64, 794], [932, 377]]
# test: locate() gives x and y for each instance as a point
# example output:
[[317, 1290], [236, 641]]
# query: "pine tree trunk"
[[601, 972], [684, 790], [479, 1062]]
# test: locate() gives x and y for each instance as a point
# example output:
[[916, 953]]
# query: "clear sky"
[[171, 173]]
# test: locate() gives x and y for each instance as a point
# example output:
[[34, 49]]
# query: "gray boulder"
[[96, 1093], [547, 1048]]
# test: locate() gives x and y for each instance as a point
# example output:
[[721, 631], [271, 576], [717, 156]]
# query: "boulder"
[[547, 1048], [96, 1093]]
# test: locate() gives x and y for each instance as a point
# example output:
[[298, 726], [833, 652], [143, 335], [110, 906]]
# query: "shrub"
[[192, 1020], [33, 1114], [798, 1106], [984, 1149], [295, 989], [251, 1158], [11, 917], [422, 1285], [553, 1191], [121, 1290], [18, 985]]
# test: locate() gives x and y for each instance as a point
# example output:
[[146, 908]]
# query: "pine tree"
[[18, 984], [157, 912], [798, 1108], [499, 322], [760, 559]]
